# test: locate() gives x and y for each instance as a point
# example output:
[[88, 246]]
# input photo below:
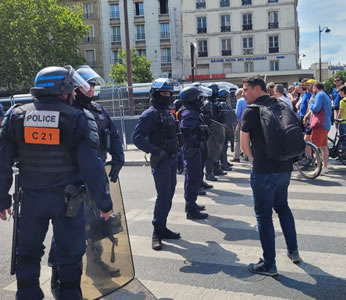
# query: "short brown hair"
[[319, 85], [256, 81]]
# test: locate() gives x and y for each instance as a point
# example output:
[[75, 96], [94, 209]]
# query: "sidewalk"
[[135, 157]]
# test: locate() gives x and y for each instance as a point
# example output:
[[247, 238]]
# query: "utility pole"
[[128, 62]]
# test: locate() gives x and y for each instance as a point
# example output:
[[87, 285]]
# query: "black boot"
[[196, 207], [169, 234], [156, 242], [210, 177], [196, 215], [201, 192], [55, 283], [206, 186]]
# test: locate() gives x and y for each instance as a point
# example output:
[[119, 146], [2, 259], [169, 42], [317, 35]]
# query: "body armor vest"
[[46, 155], [166, 136]]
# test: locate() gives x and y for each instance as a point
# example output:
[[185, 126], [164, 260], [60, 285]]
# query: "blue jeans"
[[270, 191]]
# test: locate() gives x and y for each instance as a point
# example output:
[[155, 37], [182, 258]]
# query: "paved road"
[[210, 261]]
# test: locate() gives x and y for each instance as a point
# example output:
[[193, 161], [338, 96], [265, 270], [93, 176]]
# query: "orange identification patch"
[[45, 136]]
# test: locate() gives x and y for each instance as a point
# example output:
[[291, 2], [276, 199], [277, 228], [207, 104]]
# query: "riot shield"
[[107, 263], [216, 140], [229, 119]]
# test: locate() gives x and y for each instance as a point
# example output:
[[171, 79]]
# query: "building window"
[[247, 22], [200, 4], [141, 52], [273, 1], [164, 31], [90, 57], [247, 46], [163, 7], [274, 65], [248, 67], [274, 44], [273, 19], [226, 23], [202, 25], [140, 32], [139, 9], [202, 69], [91, 37], [115, 58], [246, 2], [224, 3], [116, 36], [226, 47], [87, 8], [202, 48], [166, 57], [114, 11]]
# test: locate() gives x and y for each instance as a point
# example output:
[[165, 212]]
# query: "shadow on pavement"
[[326, 286]]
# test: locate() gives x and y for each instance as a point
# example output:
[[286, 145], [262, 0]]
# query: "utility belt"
[[74, 197]]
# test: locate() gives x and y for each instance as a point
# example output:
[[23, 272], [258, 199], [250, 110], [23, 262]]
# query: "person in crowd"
[[241, 105], [338, 81], [270, 88], [319, 136], [269, 182], [342, 110], [279, 93], [110, 142], [52, 155], [156, 133], [194, 133]]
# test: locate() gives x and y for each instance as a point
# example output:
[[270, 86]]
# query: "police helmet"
[[162, 85], [89, 75], [222, 93], [190, 95], [57, 81]]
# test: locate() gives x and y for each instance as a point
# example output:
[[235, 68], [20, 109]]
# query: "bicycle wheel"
[[310, 166], [341, 149]]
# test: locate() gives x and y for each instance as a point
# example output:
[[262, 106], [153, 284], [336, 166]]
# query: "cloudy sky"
[[331, 13]]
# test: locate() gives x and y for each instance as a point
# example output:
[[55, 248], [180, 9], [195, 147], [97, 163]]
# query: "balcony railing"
[[116, 38], [114, 14], [247, 27], [273, 25], [88, 15], [202, 53], [164, 35], [247, 51], [89, 39], [224, 3], [246, 2], [226, 52], [273, 49], [225, 28], [166, 59], [140, 36], [202, 30], [200, 5]]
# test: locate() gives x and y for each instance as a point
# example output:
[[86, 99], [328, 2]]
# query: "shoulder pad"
[[88, 114], [4, 124], [96, 106], [92, 129]]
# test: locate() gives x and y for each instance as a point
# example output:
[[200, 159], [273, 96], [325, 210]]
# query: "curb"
[[138, 163]]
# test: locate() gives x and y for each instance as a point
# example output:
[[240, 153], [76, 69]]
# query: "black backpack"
[[282, 130]]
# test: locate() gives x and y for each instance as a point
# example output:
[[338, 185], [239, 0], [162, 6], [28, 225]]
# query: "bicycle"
[[337, 146], [309, 163]]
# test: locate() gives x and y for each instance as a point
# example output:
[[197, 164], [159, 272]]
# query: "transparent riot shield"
[[216, 140], [107, 263]]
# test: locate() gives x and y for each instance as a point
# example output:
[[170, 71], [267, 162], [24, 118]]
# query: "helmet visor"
[[78, 81], [89, 75], [205, 92]]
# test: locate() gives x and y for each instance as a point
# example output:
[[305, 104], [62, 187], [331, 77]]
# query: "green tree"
[[140, 68], [36, 34], [329, 83]]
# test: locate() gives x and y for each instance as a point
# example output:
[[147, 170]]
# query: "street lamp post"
[[326, 30]]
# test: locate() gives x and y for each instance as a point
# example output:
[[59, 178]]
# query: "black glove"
[[114, 172]]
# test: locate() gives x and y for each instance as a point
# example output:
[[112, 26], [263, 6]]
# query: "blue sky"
[[331, 13]]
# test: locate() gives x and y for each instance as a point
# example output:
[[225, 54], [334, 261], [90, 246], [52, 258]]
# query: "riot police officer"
[[194, 132], [56, 147], [110, 142], [156, 133]]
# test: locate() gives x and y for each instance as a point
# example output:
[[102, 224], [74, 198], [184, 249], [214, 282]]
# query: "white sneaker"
[[324, 171]]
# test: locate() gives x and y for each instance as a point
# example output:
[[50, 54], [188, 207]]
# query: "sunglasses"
[[336, 80]]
